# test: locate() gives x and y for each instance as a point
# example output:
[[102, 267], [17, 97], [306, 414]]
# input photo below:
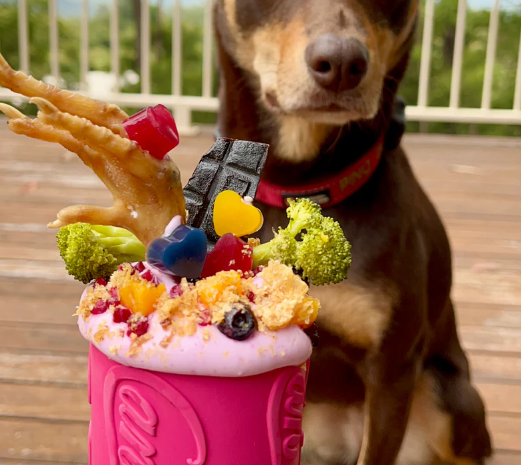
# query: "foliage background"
[[192, 51]]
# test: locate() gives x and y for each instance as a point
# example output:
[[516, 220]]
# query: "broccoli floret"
[[90, 252], [313, 245], [283, 247], [303, 214], [324, 254]]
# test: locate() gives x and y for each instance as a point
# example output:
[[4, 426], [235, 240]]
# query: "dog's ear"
[[394, 134], [228, 9], [237, 117], [404, 40]]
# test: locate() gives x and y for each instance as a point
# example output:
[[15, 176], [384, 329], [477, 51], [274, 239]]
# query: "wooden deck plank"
[[501, 316], [501, 397], [491, 366], [26, 367], [506, 430], [503, 340], [505, 458], [27, 309], [44, 402], [47, 440], [42, 338], [6, 461]]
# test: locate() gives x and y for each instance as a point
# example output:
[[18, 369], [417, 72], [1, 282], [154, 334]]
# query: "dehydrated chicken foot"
[[147, 192], [100, 113]]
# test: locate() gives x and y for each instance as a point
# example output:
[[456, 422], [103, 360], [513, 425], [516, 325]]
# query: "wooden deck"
[[44, 411]]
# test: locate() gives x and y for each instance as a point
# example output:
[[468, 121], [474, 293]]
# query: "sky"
[[488, 3], [73, 7]]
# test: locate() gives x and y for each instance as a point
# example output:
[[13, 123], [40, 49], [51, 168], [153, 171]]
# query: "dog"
[[317, 80]]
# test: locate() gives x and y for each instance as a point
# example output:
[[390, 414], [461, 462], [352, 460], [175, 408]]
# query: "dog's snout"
[[337, 63]]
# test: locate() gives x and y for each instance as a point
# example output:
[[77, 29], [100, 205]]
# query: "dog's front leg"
[[389, 393]]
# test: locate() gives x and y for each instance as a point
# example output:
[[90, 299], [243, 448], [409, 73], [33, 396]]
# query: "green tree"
[[473, 69], [192, 54]]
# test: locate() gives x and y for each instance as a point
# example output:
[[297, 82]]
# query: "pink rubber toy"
[[142, 417]]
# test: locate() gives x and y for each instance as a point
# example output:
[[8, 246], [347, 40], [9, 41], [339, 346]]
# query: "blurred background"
[[166, 47], [463, 91]]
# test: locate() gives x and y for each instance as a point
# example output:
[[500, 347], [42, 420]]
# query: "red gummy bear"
[[154, 130], [229, 253]]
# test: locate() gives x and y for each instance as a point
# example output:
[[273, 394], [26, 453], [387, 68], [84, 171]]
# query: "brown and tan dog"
[[317, 80]]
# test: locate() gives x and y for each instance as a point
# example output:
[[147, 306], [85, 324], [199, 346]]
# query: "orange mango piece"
[[307, 313], [141, 297], [214, 289]]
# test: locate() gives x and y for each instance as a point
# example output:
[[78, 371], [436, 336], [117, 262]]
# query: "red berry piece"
[[251, 296], [114, 297], [176, 291], [139, 328], [229, 253], [100, 282], [206, 318], [114, 293], [150, 277], [121, 314], [257, 270], [139, 267], [101, 306], [154, 130]]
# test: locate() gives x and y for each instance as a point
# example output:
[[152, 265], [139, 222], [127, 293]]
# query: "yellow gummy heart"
[[232, 215]]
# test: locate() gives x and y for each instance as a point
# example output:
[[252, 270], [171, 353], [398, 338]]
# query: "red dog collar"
[[328, 191]]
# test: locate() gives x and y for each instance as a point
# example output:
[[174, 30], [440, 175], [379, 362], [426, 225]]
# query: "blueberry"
[[239, 322]]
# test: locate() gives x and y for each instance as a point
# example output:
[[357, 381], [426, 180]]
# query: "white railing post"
[[491, 56], [114, 44], [517, 94], [183, 119], [23, 36], [425, 66], [145, 47], [182, 113], [84, 45], [457, 61], [176, 48], [207, 50], [53, 40]]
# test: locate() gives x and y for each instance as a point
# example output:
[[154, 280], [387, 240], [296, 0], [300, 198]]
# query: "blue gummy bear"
[[181, 254]]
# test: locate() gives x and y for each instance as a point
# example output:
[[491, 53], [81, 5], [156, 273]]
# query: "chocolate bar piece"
[[229, 165]]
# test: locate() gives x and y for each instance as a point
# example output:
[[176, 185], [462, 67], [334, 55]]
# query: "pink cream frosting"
[[207, 353]]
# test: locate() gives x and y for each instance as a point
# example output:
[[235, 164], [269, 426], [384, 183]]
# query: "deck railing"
[[183, 105], [454, 113]]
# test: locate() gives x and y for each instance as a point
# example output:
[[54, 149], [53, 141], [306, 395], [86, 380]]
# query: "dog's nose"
[[337, 64]]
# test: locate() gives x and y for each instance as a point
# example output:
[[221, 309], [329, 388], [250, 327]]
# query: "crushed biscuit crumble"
[[137, 342], [277, 297], [101, 332]]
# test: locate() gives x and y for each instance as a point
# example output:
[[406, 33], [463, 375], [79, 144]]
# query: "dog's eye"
[[395, 12], [398, 13], [254, 13]]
